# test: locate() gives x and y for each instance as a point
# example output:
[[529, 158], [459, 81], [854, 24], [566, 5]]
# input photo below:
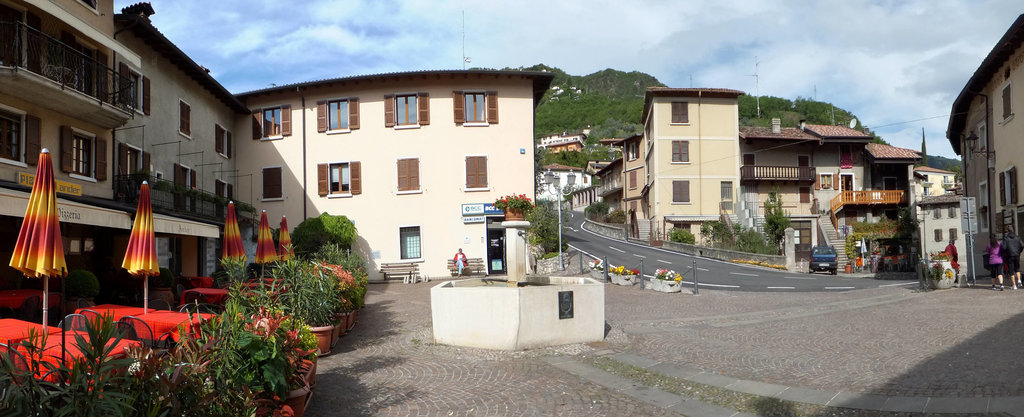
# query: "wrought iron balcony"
[[176, 200], [25, 48], [776, 173]]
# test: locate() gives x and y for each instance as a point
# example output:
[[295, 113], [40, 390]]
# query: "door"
[[889, 183], [847, 182], [495, 251], [9, 50]]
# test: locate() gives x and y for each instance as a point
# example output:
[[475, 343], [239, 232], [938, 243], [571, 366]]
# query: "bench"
[[409, 271], [474, 266]]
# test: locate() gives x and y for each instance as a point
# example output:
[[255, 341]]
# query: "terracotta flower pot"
[[323, 337], [297, 400], [512, 214]]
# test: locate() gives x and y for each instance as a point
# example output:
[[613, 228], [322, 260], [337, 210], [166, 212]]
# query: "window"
[[337, 115], [272, 183], [475, 107], [340, 179], [845, 156], [633, 150], [275, 122], [983, 205], [272, 122], [1008, 186], [409, 174], [1007, 104], [405, 110], [184, 118], [476, 172], [726, 195], [805, 195], [81, 155], [680, 112], [632, 179], [826, 181], [89, 3], [938, 212], [134, 95], [409, 240], [938, 235], [927, 191], [222, 140], [952, 234], [131, 159], [10, 136], [680, 191], [680, 151], [952, 212], [749, 159]]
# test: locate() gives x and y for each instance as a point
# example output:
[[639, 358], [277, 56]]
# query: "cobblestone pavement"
[[890, 341]]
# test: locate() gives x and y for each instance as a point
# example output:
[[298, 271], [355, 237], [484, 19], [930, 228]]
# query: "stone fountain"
[[520, 312]]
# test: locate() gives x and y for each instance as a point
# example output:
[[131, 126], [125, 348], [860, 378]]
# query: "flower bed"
[[759, 263]]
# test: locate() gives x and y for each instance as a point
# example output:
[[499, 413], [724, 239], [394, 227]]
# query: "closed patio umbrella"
[[265, 252], [39, 251], [140, 259], [232, 237], [284, 241]]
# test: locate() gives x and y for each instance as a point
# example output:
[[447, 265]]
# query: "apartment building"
[[610, 189], [564, 142], [581, 180], [940, 224], [930, 181], [983, 131], [414, 159], [634, 173]]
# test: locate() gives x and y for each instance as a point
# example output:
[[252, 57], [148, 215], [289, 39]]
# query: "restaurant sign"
[[27, 180], [478, 209]]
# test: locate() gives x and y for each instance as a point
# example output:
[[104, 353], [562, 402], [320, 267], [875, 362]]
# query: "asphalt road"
[[711, 273]]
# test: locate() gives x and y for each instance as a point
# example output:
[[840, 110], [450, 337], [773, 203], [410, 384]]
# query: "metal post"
[[642, 286], [606, 266], [579, 262], [558, 200], [695, 290]]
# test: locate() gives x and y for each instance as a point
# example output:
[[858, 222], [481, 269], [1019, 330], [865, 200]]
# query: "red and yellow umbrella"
[[39, 251], [265, 251], [284, 241], [232, 237], [140, 258]]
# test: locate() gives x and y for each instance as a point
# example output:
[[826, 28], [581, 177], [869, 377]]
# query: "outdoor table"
[[205, 295], [200, 282], [14, 298], [164, 322], [115, 311], [54, 351], [13, 331]]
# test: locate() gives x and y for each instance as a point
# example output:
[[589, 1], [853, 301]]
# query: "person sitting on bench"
[[460, 261]]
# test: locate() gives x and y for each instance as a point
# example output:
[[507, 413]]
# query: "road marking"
[[781, 288], [896, 285], [617, 249], [663, 261], [640, 256], [839, 288], [742, 273], [703, 269], [798, 277]]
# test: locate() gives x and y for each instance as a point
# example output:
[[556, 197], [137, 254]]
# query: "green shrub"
[[682, 236], [597, 210], [315, 232], [549, 255], [617, 217], [164, 280], [82, 283], [544, 226]]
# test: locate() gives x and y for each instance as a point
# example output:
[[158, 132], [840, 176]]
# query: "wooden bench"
[[474, 266], [409, 271]]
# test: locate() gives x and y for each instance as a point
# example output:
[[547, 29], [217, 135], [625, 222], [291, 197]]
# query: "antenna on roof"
[[757, 86]]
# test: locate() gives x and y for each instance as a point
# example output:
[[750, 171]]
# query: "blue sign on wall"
[[477, 209]]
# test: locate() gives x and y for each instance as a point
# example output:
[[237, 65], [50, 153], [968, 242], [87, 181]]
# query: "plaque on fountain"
[[564, 305]]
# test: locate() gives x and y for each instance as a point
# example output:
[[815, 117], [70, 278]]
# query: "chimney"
[[803, 124], [866, 130], [776, 125]]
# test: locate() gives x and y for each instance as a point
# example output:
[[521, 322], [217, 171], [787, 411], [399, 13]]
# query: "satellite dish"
[[853, 123]]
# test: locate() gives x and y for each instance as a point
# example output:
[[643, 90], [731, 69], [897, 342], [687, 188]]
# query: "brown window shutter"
[[101, 159], [470, 173], [685, 150], [1002, 188], [322, 183], [321, 116], [1013, 185], [353, 113], [146, 161], [482, 171], [459, 103], [182, 117], [835, 181], [389, 110], [257, 127], [267, 182], [230, 191], [218, 132], [179, 177], [403, 175], [145, 95], [414, 174], [677, 112], [423, 116], [492, 107], [192, 178], [228, 143], [632, 179], [218, 188], [686, 191], [286, 120], [103, 78], [33, 139], [817, 182], [122, 79], [65, 148], [1007, 109], [355, 172], [677, 191], [122, 159], [805, 195]]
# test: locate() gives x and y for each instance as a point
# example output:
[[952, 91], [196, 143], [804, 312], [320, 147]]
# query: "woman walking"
[[995, 262]]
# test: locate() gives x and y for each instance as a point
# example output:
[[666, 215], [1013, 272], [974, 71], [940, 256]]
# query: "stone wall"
[[549, 267], [614, 231], [722, 254]]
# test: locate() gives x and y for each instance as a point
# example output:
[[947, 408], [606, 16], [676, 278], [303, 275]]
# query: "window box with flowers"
[[516, 207], [623, 276], [666, 280]]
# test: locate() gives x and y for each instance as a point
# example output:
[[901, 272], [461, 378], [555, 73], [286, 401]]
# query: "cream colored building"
[[933, 181], [414, 159]]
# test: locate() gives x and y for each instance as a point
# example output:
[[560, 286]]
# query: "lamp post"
[[555, 181]]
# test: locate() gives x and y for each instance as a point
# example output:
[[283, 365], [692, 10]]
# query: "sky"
[[897, 65]]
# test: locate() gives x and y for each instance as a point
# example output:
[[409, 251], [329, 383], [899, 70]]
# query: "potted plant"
[[623, 276], [597, 269], [80, 284], [666, 280], [312, 297], [516, 207], [160, 286], [941, 273]]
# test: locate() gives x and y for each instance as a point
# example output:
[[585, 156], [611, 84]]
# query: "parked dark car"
[[823, 258]]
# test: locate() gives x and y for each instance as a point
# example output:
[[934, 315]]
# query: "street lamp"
[[555, 180]]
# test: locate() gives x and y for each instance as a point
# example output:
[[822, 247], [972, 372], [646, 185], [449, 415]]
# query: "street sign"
[[968, 215]]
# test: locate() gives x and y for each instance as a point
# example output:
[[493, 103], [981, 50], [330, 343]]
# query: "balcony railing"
[[609, 187], [169, 198], [776, 173], [864, 197], [27, 48]]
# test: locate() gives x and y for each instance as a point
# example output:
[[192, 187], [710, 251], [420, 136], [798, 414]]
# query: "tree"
[[924, 150], [544, 221], [958, 173], [315, 232], [775, 220]]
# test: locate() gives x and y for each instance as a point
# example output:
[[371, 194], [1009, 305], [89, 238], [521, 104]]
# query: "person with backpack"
[[995, 261], [1012, 247]]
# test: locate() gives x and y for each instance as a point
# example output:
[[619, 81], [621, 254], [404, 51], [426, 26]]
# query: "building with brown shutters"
[[414, 159]]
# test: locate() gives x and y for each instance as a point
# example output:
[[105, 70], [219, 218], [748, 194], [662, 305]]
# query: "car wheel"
[[833, 272]]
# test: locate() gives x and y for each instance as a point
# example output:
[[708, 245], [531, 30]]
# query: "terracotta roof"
[[609, 141], [880, 151], [560, 167], [930, 169], [940, 199], [829, 131], [788, 133]]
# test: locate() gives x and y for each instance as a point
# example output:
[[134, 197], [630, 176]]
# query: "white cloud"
[[886, 61]]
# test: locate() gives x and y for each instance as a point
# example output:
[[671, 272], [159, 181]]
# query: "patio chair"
[[84, 303], [143, 332], [160, 304], [18, 364], [8, 313], [73, 322], [126, 330], [179, 291], [199, 308], [31, 309], [91, 315]]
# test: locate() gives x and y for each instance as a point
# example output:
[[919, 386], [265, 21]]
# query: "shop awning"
[[13, 203], [176, 226]]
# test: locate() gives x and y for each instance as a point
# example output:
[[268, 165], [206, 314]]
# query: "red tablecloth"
[[162, 322], [114, 310], [52, 351], [14, 298], [13, 331], [200, 282], [205, 295]]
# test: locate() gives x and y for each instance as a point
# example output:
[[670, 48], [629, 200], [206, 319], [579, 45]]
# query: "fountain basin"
[[547, 311]]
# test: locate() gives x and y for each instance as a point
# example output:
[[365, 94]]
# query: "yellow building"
[[933, 181]]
